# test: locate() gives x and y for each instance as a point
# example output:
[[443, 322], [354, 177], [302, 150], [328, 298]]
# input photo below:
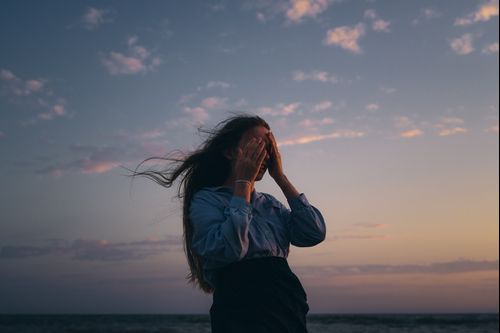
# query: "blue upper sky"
[[375, 104]]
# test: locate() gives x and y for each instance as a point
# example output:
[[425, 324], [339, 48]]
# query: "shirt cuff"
[[240, 204], [299, 202]]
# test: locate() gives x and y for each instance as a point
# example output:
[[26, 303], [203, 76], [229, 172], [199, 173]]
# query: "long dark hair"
[[206, 166]]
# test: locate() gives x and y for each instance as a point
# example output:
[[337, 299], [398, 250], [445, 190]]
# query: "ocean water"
[[317, 323]]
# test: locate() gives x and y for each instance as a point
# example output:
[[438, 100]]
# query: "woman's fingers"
[[248, 147], [259, 149]]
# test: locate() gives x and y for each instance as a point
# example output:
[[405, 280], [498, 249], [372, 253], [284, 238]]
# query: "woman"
[[237, 239]]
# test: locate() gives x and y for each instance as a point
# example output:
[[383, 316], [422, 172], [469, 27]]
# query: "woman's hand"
[[249, 159], [275, 167]]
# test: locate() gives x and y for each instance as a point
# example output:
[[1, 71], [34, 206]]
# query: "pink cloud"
[[346, 37]]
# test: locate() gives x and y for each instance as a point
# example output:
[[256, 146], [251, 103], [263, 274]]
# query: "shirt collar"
[[253, 196]]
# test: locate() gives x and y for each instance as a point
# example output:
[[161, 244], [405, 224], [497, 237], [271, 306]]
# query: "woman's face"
[[258, 132]]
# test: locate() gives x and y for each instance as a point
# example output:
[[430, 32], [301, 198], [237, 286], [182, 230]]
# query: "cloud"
[[94, 17], [381, 25], [280, 109], [463, 45], [34, 93], [370, 14], [216, 7], [491, 48], [346, 37], [370, 225], [7, 75], [447, 267], [452, 131], [2, 135], [57, 110], [294, 11], [378, 24], [19, 87], [217, 84], [306, 8], [388, 90], [452, 120], [313, 138], [426, 14], [91, 159], [322, 106], [213, 102], [197, 114], [372, 107], [403, 121], [407, 127], [315, 75], [312, 123], [357, 237], [492, 129], [411, 133], [137, 60], [94, 249], [450, 126], [485, 12]]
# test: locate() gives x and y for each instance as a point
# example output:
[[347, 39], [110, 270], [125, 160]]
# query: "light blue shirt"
[[226, 228]]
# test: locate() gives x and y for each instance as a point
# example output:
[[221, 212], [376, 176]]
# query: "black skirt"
[[258, 295]]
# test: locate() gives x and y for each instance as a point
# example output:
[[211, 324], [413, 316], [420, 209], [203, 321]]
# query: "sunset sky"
[[386, 114]]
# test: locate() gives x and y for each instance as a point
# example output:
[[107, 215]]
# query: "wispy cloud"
[[492, 129], [370, 225], [315, 75], [280, 109], [485, 12], [90, 159], [294, 11], [320, 137], [372, 107], [217, 84], [34, 93], [346, 37], [137, 60], [407, 127], [426, 14], [19, 87], [388, 90], [94, 249], [214, 102], [447, 267], [491, 48], [378, 24], [322, 106], [463, 45], [198, 115], [450, 126], [57, 110], [452, 131], [411, 133], [313, 123], [94, 17]]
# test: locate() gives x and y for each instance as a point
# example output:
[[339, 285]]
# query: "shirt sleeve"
[[220, 233], [304, 222]]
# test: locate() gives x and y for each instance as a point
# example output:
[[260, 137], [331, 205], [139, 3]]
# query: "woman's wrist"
[[243, 188]]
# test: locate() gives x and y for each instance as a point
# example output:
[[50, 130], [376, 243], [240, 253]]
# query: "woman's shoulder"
[[213, 194]]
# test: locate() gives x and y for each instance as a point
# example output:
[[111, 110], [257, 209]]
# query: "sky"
[[385, 113]]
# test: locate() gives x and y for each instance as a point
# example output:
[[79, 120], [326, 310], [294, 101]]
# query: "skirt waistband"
[[256, 280]]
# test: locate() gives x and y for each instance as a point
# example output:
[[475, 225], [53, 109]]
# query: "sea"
[[189, 323]]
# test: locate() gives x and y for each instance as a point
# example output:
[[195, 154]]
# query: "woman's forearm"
[[243, 190], [286, 186]]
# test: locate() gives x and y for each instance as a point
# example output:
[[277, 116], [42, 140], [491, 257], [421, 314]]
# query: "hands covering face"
[[274, 165]]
